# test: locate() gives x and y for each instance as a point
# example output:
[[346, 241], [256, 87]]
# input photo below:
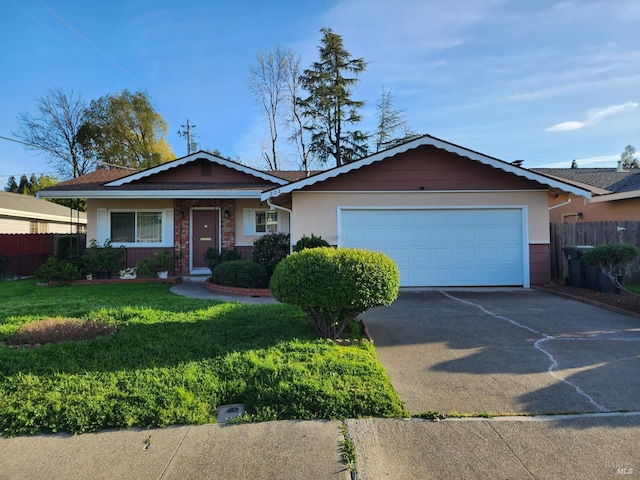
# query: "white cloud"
[[593, 117], [566, 126]]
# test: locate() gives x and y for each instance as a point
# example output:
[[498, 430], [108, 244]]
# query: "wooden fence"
[[21, 254], [590, 233]]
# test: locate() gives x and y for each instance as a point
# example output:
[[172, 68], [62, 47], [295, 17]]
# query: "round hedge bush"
[[310, 242], [333, 286], [240, 273]]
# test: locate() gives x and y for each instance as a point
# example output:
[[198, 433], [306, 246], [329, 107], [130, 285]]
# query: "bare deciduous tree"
[[56, 132], [268, 83], [295, 119]]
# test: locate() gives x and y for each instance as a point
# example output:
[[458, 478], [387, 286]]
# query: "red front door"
[[205, 234]]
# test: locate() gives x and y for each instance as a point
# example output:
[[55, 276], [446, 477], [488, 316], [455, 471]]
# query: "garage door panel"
[[442, 247]]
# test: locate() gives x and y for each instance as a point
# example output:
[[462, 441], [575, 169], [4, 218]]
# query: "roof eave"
[[153, 194], [437, 143], [616, 196], [40, 216], [190, 158]]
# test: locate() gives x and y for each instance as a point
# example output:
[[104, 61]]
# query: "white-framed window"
[[136, 228], [260, 221], [266, 221]]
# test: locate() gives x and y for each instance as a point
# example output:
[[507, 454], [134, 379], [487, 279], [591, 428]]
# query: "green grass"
[[634, 288], [174, 361]]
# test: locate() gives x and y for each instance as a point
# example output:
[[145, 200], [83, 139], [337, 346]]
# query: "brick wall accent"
[[181, 209]]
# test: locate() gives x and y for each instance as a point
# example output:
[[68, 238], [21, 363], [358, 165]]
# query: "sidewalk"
[[586, 447]]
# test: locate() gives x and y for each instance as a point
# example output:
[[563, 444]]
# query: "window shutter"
[[167, 228], [247, 222], [102, 226], [283, 221]]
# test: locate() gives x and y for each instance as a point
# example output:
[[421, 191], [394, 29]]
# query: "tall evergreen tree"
[[392, 128], [24, 187], [329, 105], [12, 185]]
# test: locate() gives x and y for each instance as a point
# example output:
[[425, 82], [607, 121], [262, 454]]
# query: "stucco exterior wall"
[[316, 212], [621, 210]]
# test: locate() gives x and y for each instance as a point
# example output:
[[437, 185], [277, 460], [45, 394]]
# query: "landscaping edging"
[[237, 291], [99, 281]]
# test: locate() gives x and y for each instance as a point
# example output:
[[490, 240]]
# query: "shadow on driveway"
[[509, 351]]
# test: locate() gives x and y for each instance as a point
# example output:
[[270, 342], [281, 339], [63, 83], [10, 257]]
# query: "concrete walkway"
[[472, 376], [193, 287]]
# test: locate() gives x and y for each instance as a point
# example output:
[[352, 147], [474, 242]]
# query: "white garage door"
[[442, 247]]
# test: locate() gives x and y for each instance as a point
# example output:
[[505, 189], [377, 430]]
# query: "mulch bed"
[[626, 303]]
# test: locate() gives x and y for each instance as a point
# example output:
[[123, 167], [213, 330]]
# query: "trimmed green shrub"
[[269, 249], [613, 256], [214, 258], [57, 270], [333, 286], [612, 259], [240, 273], [310, 242]]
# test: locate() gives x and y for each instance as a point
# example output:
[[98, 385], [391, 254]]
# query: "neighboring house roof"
[[437, 143], [606, 184], [127, 184], [605, 178], [28, 207]]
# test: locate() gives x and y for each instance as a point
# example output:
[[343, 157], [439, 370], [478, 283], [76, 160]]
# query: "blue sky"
[[544, 81]]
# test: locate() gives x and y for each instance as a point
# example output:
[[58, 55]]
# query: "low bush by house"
[[270, 249], [213, 257], [240, 273], [310, 242]]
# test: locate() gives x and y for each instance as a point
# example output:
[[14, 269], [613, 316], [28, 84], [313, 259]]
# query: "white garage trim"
[[468, 267]]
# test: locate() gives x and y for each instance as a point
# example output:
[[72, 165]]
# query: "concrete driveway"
[[507, 352]]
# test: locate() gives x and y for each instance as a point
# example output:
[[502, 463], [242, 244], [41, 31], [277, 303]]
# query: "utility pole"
[[187, 134]]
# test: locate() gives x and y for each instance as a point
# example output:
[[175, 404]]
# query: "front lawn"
[[174, 360]]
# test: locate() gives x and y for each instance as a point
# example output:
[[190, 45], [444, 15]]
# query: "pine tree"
[[329, 105], [12, 185], [392, 128]]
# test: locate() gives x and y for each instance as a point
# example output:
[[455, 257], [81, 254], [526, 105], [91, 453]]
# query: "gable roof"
[[608, 179], [28, 207], [139, 183], [191, 158], [434, 142]]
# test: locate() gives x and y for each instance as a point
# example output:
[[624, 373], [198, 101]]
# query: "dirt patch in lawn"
[[624, 302], [57, 330]]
